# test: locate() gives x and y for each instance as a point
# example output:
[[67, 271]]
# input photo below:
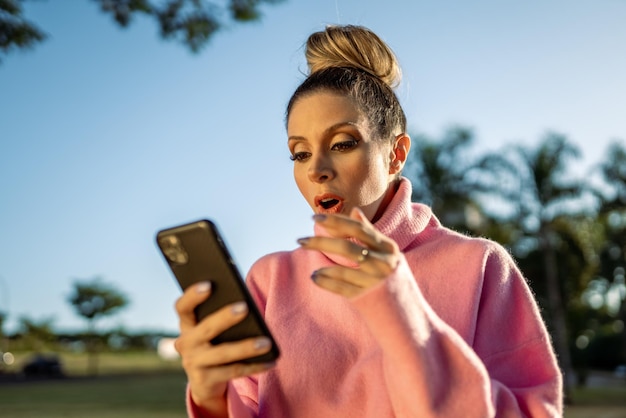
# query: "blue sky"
[[107, 135]]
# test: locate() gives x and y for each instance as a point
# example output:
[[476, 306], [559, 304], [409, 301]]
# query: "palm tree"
[[522, 199], [612, 215], [466, 191], [549, 211], [439, 173]]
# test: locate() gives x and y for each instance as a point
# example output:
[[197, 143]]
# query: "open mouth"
[[329, 203]]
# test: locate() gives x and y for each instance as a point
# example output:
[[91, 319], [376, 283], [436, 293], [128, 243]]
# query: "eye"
[[300, 156], [345, 145]]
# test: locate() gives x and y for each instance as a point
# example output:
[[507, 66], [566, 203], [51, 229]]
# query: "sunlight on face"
[[337, 164]]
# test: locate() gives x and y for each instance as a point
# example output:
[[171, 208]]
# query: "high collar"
[[402, 221]]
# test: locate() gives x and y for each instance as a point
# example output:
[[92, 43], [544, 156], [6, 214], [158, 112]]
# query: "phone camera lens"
[[173, 250]]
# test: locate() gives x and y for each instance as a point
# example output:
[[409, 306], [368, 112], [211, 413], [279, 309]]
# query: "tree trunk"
[[92, 350], [557, 313], [622, 316]]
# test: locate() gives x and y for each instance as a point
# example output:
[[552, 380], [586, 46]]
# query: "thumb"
[[357, 214]]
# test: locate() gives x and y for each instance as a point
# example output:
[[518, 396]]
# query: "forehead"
[[320, 110]]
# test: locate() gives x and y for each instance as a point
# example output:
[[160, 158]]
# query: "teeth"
[[328, 202]]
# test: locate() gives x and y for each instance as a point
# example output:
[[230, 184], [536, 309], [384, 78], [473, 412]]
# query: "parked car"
[[43, 366]]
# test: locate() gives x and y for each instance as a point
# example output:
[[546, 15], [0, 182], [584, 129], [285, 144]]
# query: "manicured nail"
[[203, 287], [319, 217], [315, 275], [262, 343], [239, 308], [303, 241]]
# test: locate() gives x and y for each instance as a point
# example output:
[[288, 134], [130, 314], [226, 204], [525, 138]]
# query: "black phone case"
[[195, 252]]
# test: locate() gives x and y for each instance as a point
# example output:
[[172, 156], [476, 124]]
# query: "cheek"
[[375, 175], [299, 177]]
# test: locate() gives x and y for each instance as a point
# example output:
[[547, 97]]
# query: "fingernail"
[[303, 241], [315, 275], [239, 308], [319, 217], [262, 343], [203, 287]]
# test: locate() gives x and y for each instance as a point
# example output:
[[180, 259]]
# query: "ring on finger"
[[363, 255]]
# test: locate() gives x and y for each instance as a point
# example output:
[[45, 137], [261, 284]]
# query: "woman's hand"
[[208, 366], [377, 255]]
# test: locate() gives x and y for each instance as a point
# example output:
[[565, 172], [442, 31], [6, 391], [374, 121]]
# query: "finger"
[[221, 320], [376, 263], [185, 305], [372, 237], [211, 326], [233, 371], [338, 246], [340, 226], [356, 226], [231, 352], [207, 386], [339, 287], [380, 264], [353, 277]]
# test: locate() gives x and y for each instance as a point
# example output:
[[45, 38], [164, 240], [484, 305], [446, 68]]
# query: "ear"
[[399, 153]]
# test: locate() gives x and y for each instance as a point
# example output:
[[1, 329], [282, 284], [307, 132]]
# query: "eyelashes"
[[299, 156], [342, 146], [345, 145]]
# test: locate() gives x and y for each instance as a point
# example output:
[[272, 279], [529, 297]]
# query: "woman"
[[383, 312]]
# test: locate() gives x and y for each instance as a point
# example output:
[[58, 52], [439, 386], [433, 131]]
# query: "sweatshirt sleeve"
[[430, 371], [238, 406]]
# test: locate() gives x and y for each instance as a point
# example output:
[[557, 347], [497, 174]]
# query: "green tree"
[[15, 30], [37, 334], [522, 198], [92, 300], [4, 340], [554, 229], [441, 172], [591, 265], [191, 22], [612, 216], [468, 192]]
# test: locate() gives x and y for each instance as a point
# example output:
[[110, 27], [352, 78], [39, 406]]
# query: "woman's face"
[[337, 163]]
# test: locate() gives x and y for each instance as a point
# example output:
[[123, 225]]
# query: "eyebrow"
[[327, 131]]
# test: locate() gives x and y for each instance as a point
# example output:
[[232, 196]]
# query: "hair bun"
[[352, 46]]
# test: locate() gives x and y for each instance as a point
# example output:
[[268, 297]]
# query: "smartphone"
[[196, 252]]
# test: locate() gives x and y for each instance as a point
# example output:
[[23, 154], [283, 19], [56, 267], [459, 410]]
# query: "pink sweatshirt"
[[453, 332]]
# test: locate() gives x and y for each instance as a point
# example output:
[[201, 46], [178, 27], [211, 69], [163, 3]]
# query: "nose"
[[320, 168]]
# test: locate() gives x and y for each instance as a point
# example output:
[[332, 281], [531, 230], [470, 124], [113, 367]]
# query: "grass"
[[129, 385], [598, 402], [161, 395], [600, 395], [141, 385], [156, 395], [75, 364]]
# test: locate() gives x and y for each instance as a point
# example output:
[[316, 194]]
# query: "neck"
[[387, 198]]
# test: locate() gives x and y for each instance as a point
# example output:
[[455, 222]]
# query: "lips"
[[328, 203]]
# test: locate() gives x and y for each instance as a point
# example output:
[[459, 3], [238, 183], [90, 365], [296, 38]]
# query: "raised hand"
[[355, 238]]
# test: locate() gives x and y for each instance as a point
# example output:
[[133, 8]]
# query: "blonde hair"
[[353, 46], [353, 61]]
